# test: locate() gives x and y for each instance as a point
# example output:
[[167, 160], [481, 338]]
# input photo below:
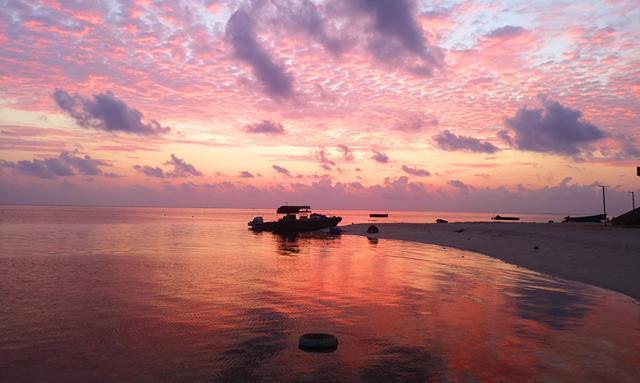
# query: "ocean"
[[190, 295]]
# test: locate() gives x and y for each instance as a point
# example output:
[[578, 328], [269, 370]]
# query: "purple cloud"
[[506, 31], [180, 168], [347, 153], [415, 122], [459, 185], [281, 170], [415, 171], [265, 127], [380, 157], [241, 35], [554, 129], [245, 174], [105, 112], [322, 156], [65, 165], [398, 31], [448, 141], [305, 16], [150, 171]]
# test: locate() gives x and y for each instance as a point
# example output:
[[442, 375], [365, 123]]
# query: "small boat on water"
[[378, 215], [439, 220], [587, 218], [295, 219], [504, 218]]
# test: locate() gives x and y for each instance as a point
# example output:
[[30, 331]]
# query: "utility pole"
[[604, 205], [633, 200]]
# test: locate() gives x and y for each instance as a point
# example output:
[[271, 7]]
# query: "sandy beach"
[[607, 257]]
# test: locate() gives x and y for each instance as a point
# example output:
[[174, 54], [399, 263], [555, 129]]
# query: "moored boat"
[[504, 218], [295, 219], [587, 218]]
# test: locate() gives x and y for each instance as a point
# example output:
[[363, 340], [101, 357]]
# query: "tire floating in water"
[[318, 342]]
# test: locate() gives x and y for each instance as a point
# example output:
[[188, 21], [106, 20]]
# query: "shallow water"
[[112, 294]]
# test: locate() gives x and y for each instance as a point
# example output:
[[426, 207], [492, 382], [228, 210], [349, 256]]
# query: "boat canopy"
[[292, 209]]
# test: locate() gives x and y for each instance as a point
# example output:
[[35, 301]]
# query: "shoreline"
[[603, 256]]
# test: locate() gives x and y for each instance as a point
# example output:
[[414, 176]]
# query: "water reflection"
[[553, 303], [289, 244], [405, 364], [175, 298], [264, 336]]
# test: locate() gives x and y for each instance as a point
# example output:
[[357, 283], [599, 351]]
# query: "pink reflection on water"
[[192, 295]]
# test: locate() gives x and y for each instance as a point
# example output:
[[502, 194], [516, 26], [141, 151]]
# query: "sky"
[[497, 106]]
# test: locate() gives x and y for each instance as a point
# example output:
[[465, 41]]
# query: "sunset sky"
[[365, 104]]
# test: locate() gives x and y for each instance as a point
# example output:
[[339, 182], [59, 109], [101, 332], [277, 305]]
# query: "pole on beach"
[[633, 200], [604, 205]]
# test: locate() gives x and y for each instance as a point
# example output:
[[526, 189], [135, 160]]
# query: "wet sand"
[[607, 257]]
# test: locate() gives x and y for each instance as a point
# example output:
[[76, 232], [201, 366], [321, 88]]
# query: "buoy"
[[318, 342], [372, 229]]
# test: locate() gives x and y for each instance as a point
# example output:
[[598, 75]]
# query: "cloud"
[[506, 31], [322, 156], [415, 171], [281, 170], [448, 141], [566, 197], [459, 185], [245, 174], [380, 157], [150, 171], [347, 153], [240, 33], [106, 112], [415, 122], [305, 16], [504, 136], [180, 168], [65, 165], [265, 127], [554, 129], [398, 32], [629, 147]]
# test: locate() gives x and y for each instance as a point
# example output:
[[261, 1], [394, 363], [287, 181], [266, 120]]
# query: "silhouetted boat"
[[632, 217], [378, 215], [295, 219], [505, 218], [586, 218], [439, 220]]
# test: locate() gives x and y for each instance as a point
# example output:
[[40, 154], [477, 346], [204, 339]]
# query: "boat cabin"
[[293, 213]]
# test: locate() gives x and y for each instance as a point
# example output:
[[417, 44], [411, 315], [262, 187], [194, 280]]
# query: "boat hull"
[[503, 218], [297, 225], [589, 218]]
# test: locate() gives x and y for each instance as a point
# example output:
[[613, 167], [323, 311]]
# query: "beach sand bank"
[[607, 257]]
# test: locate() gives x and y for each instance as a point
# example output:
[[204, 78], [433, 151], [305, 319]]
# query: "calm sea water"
[[171, 295]]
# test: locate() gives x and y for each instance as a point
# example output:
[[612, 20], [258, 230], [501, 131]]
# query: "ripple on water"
[[138, 295]]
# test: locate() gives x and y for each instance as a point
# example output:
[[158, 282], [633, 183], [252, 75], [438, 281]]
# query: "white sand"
[[607, 257]]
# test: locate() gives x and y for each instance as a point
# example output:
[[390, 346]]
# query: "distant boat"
[[378, 215], [505, 218], [295, 219], [586, 218], [441, 221]]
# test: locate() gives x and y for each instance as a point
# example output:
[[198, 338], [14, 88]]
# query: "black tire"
[[318, 342]]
